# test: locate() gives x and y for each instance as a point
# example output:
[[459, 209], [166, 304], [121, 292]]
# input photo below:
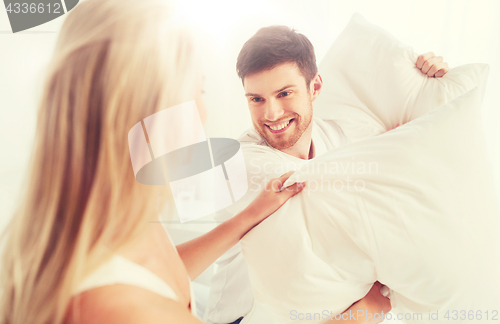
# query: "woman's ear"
[[315, 86]]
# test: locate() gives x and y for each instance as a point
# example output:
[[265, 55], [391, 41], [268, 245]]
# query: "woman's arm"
[[199, 253], [202, 251]]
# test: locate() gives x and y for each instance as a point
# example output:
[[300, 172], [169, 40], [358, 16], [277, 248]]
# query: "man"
[[278, 70]]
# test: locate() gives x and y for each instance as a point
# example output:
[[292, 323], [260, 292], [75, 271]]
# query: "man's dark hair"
[[275, 45]]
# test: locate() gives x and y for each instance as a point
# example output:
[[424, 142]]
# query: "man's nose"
[[274, 110]]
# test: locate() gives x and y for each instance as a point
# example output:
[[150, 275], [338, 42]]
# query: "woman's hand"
[[273, 197], [432, 65], [199, 253]]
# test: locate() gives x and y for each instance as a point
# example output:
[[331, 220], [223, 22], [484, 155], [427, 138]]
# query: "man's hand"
[[373, 307], [432, 65]]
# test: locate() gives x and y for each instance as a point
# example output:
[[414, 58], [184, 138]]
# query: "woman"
[[81, 247]]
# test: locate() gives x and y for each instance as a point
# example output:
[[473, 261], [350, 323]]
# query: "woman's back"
[[149, 287]]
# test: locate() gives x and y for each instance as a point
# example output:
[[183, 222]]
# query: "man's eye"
[[284, 94], [256, 99]]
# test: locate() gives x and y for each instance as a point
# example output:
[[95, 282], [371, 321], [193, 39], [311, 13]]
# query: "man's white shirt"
[[231, 294]]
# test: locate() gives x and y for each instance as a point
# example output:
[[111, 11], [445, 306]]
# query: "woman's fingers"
[[293, 189], [277, 183], [285, 176]]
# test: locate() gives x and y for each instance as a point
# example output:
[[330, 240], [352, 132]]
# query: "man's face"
[[280, 104]]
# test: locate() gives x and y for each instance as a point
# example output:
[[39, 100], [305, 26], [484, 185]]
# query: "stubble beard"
[[301, 124]]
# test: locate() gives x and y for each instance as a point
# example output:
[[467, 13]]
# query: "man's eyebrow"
[[277, 91], [285, 87]]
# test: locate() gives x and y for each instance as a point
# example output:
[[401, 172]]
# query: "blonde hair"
[[115, 63]]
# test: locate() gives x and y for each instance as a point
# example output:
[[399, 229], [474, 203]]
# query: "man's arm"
[[370, 309], [431, 65]]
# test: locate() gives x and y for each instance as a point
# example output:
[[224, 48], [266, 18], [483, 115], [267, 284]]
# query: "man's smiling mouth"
[[280, 127]]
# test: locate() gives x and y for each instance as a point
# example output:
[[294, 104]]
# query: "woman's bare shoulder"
[[125, 304]]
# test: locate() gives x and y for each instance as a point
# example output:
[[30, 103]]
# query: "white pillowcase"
[[371, 82], [419, 216]]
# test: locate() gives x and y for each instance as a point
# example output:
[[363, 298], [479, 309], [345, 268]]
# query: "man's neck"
[[304, 148]]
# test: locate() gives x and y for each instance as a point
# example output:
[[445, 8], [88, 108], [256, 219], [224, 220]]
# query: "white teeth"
[[280, 126]]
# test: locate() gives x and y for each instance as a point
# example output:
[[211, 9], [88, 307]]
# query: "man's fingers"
[[440, 73], [443, 67], [376, 286], [385, 291], [430, 63], [432, 71], [424, 57]]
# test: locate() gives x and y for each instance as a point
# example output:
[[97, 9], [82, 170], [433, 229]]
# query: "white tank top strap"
[[119, 270]]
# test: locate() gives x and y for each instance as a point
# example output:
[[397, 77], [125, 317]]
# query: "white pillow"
[[371, 82], [424, 222]]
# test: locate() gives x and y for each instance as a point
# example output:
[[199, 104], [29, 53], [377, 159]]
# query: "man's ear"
[[315, 86]]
